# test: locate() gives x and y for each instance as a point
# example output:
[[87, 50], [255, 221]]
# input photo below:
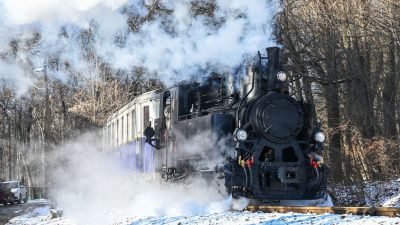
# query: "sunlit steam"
[[92, 188], [172, 44]]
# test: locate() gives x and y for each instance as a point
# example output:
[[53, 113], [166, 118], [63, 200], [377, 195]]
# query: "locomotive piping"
[[245, 174], [247, 94], [251, 177]]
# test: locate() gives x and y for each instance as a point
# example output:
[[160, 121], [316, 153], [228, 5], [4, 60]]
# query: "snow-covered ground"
[[376, 193], [188, 211], [123, 199], [40, 216]]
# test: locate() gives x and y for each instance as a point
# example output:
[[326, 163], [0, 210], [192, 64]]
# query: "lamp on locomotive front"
[[281, 76]]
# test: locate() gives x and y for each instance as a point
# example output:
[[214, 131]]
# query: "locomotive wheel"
[[194, 180]]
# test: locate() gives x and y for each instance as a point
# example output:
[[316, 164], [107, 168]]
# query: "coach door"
[[146, 150], [150, 117]]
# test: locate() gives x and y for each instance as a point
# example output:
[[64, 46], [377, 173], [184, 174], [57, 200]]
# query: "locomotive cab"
[[188, 111]]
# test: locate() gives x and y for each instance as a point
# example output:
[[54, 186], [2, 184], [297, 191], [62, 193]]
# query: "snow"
[[263, 218], [326, 201], [378, 193], [34, 217], [215, 212], [39, 217]]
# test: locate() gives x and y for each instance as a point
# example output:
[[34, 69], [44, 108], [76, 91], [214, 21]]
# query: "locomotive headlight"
[[319, 136], [241, 135], [281, 76]]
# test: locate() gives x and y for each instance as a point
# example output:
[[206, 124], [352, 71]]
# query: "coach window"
[[105, 136], [127, 127], [167, 113], [191, 102], [166, 110], [118, 132], [112, 134], [122, 130], [133, 124], [146, 117], [109, 136]]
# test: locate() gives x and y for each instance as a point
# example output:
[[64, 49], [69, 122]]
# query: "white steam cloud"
[[193, 43], [15, 76], [92, 188], [174, 45], [21, 12]]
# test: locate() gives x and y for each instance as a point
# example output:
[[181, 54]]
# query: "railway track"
[[371, 211]]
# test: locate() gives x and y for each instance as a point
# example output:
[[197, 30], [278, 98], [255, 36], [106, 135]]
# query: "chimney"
[[274, 65]]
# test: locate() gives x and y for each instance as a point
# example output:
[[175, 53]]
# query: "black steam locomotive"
[[273, 144], [264, 140]]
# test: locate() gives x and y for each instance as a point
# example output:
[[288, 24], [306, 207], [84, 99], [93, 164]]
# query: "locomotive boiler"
[[266, 146]]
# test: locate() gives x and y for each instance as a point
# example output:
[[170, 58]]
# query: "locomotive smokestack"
[[274, 65]]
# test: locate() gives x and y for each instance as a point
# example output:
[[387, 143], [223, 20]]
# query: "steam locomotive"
[[267, 147]]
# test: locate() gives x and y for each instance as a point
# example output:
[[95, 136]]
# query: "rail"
[[371, 211]]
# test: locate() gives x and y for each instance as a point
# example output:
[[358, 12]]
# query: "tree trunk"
[[335, 156], [389, 96]]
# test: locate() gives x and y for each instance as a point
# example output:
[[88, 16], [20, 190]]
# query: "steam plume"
[[173, 45]]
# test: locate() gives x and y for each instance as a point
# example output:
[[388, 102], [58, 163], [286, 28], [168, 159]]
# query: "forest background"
[[342, 57]]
